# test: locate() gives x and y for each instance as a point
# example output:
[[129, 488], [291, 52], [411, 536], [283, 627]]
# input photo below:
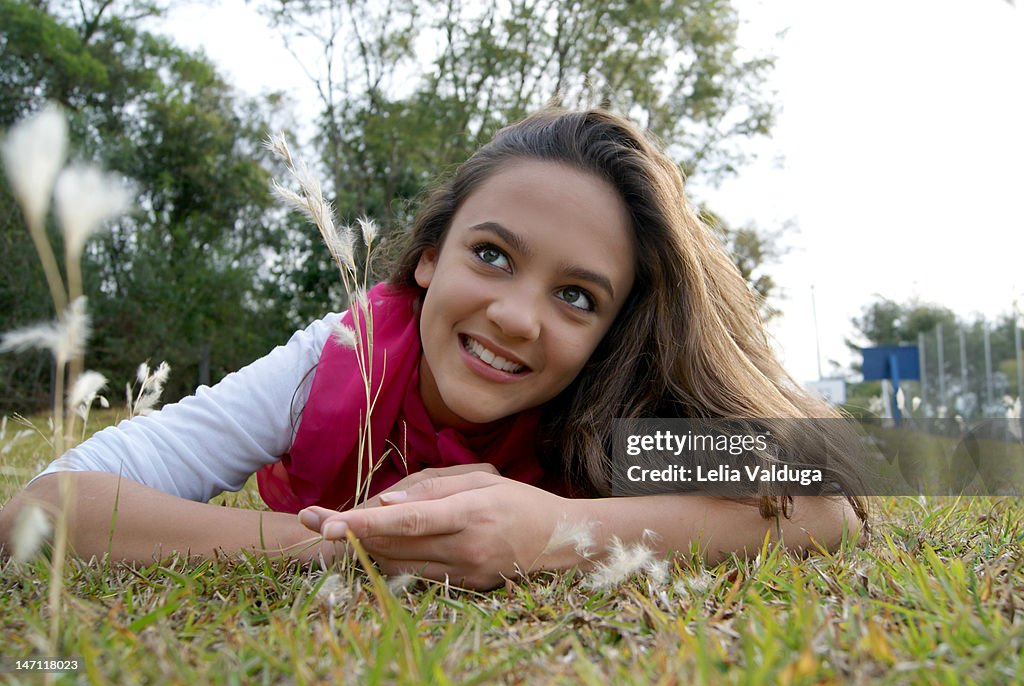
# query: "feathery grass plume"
[[344, 335], [694, 585], [84, 392], [84, 198], [624, 561], [401, 582], [309, 200], [278, 144], [64, 338], [151, 385], [18, 436], [31, 530], [88, 385], [580, 535], [332, 590], [368, 227], [33, 154]]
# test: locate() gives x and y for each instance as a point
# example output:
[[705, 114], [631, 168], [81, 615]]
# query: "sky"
[[896, 158]]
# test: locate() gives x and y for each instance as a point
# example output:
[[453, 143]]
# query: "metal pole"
[[988, 365], [963, 361], [924, 374], [1020, 363], [817, 338], [942, 367]]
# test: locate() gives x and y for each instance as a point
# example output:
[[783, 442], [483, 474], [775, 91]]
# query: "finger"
[[313, 517], [485, 467], [428, 518], [441, 487]]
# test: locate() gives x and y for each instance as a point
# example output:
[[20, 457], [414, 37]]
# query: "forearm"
[[717, 527], [149, 524]]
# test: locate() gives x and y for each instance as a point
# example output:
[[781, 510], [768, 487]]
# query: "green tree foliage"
[[410, 88], [189, 261]]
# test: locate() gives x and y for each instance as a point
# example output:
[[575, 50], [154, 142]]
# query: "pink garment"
[[322, 466]]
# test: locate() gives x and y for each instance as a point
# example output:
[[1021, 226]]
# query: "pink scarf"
[[322, 466]]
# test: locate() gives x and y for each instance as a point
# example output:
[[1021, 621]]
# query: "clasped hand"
[[466, 523]]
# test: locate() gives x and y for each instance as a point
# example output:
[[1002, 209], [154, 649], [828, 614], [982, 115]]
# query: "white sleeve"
[[214, 440]]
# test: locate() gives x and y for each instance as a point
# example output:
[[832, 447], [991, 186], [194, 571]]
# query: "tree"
[[410, 88], [190, 259]]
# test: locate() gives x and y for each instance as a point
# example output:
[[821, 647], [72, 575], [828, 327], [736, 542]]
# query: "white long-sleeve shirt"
[[215, 440]]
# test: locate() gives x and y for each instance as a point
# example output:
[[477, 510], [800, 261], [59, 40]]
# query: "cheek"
[[573, 353]]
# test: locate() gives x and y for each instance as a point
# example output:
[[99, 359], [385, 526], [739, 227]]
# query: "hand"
[[475, 528], [312, 517]]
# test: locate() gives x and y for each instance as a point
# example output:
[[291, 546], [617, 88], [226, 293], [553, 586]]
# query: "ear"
[[425, 267]]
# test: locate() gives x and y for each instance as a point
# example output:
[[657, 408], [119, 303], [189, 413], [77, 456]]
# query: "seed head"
[[33, 153], [86, 197]]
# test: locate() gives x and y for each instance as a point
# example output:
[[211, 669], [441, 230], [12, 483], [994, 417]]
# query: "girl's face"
[[531, 274]]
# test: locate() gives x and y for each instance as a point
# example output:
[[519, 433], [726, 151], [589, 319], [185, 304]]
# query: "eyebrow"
[[571, 270], [513, 239]]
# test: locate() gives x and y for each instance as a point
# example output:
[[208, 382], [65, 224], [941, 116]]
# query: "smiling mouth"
[[477, 350]]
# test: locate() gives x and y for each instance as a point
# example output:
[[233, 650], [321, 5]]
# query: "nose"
[[516, 312]]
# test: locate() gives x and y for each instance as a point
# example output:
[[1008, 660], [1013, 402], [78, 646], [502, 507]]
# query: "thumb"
[[313, 517]]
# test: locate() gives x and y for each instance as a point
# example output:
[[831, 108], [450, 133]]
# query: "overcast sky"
[[897, 153]]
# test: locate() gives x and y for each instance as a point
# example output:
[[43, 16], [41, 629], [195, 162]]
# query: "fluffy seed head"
[[400, 582], [344, 335], [580, 535], [65, 338], [369, 230], [33, 153], [30, 532], [624, 561], [87, 386], [278, 144], [85, 197], [332, 591]]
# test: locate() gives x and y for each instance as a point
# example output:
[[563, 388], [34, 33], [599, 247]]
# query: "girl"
[[557, 282]]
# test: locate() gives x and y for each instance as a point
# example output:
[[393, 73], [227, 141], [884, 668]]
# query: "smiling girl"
[[558, 281]]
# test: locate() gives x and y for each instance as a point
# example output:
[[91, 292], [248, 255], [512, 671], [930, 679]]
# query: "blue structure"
[[893, 362]]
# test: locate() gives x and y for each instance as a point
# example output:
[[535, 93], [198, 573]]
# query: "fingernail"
[[334, 530], [309, 519], [392, 497]]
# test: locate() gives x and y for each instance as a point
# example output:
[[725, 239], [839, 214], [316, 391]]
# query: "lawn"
[[935, 595]]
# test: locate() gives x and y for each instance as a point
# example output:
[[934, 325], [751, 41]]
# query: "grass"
[[936, 595]]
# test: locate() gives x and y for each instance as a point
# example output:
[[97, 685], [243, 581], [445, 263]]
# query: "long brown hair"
[[688, 342]]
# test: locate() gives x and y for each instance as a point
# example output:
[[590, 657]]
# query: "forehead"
[[563, 213]]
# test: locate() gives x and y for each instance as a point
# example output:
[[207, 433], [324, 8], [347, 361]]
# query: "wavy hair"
[[688, 342]]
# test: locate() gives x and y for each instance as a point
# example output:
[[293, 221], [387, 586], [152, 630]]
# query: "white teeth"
[[496, 361]]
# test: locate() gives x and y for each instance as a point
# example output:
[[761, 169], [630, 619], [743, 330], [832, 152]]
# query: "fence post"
[[924, 375], [942, 367]]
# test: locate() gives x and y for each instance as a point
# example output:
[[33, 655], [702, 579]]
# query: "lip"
[[487, 371]]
